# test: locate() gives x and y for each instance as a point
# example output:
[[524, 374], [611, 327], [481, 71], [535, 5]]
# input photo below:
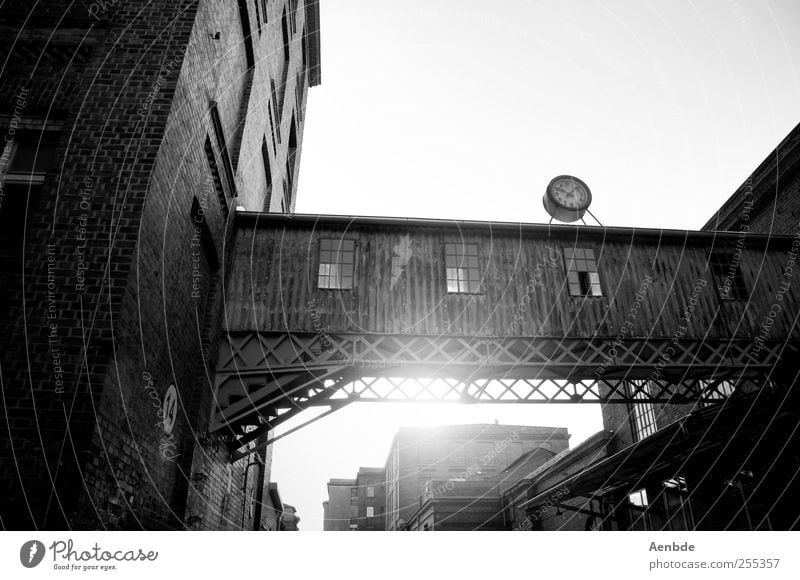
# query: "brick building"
[[421, 459], [371, 491], [730, 464], [357, 504], [290, 520], [769, 199], [768, 202], [133, 132], [341, 508]]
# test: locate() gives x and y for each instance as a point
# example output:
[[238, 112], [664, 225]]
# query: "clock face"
[[570, 193]]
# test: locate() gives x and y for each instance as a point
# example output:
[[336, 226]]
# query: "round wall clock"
[[567, 198]]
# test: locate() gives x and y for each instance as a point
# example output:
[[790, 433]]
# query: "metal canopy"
[[693, 438], [264, 378]]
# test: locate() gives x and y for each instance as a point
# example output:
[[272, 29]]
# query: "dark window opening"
[[284, 67], [18, 201], [291, 163], [267, 174], [294, 15], [215, 177], [275, 112], [461, 264], [582, 276], [28, 156], [304, 48], [264, 13], [223, 148], [247, 34], [285, 36], [258, 16], [336, 263], [727, 276], [203, 236]]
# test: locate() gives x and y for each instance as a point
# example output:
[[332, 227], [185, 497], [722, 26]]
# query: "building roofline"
[[761, 182], [341, 481], [275, 496], [563, 231], [567, 458]]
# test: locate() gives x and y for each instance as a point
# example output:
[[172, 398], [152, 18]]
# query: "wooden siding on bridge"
[[400, 282]]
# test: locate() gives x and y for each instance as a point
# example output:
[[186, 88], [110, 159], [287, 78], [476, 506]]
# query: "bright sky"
[[466, 109]]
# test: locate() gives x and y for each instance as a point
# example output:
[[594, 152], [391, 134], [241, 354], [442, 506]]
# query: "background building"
[[133, 132], [290, 520], [371, 489], [357, 504], [420, 459], [341, 508]]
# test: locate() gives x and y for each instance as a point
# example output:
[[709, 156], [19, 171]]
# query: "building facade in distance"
[[357, 504], [341, 508], [422, 459]]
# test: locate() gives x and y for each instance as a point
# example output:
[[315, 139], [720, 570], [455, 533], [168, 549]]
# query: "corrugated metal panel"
[[274, 287]]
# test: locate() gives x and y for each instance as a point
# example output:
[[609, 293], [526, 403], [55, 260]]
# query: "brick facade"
[[341, 508], [420, 455], [112, 289], [768, 202]]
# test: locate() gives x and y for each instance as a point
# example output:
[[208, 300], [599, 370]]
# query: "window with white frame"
[[582, 276], [461, 263], [336, 263], [370, 491], [370, 511]]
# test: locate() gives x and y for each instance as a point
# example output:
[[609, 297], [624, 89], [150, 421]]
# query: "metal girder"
[[264, 378]]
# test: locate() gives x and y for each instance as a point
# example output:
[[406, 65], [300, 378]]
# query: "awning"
[[688, 438]]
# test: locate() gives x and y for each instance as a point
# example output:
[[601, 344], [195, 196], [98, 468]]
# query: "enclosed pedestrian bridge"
[[323, 311]]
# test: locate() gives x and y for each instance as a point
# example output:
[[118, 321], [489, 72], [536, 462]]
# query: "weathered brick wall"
[[84, 223], [768, 202], [142, 309], [769, 199]]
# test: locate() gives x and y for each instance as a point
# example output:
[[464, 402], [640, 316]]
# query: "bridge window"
[[727, 277], [336, 259], [582, 276], [461, 263]]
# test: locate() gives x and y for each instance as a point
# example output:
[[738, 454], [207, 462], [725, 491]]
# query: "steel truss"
[[264, 378]]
